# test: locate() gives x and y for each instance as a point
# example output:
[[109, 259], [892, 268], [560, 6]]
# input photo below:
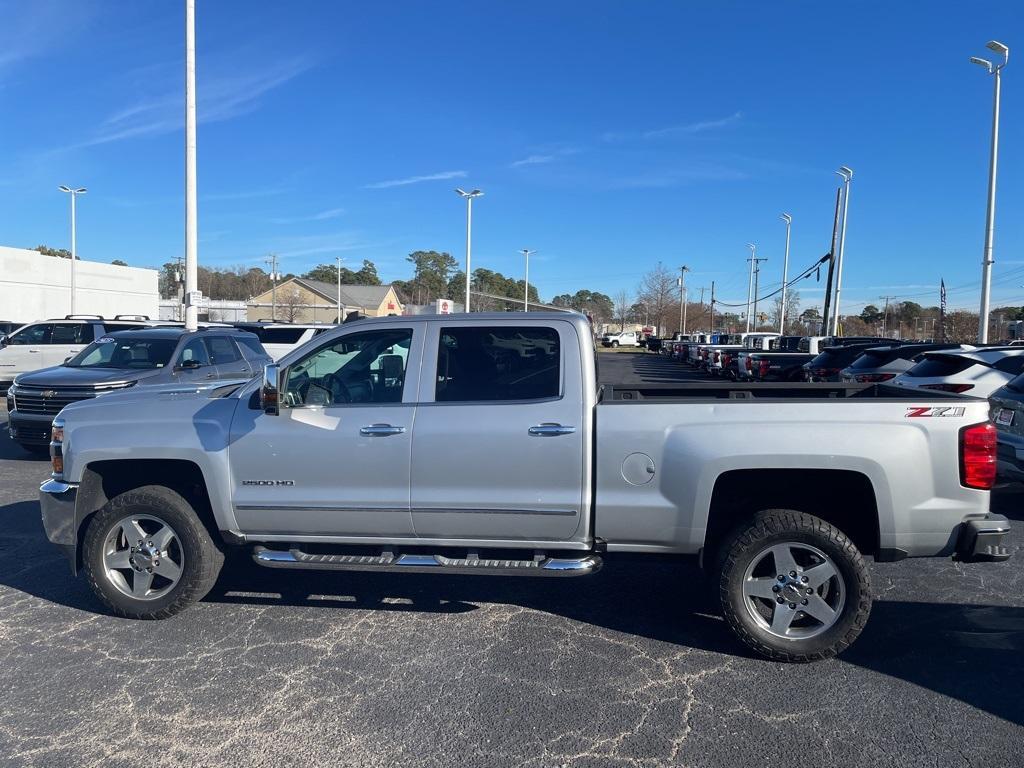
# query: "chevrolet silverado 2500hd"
[[482, 444]]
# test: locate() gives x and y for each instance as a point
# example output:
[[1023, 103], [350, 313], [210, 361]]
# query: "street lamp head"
[[1002, 50], [786, 218], [473, 193], [64, 188], [982, 63]]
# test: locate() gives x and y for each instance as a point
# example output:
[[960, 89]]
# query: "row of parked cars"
[[994, 372], [48, 364]]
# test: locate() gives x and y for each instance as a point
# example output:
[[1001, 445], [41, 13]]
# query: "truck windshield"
[[135, 353]]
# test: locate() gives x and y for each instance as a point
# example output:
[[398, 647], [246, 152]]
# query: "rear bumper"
[[57, 501], [983, 540], [30, 429]]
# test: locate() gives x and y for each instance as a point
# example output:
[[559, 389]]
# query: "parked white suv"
[[624, 339], [977, 372], [50, 342], [281, 338]]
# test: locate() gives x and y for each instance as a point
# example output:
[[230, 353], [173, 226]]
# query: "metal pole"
[[74, 250], [526, 288], [469, 234], [757, 276], [339, 289], [847, 175], [712, 328], [750, 280], [191, 224], [785, 275], [990, 215], [682, 298]]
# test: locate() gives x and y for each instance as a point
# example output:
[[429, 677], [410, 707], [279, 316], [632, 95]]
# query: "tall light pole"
[[272, 261], [74, 234], [469, 234], [847, 175], [990, 215], [339, 289], [191, 222], [526, 290], [785, 274], [750, 280], [682, 298]]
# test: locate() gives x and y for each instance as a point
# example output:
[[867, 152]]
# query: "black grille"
[[37, 402], [31, 434]]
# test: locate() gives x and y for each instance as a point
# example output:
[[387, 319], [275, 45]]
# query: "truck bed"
[[724, 390]]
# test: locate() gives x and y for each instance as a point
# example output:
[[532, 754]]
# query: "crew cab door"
[[498, 450], [336, 460]]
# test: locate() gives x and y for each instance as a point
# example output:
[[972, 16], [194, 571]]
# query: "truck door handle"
[[551, 430], [381, 430]]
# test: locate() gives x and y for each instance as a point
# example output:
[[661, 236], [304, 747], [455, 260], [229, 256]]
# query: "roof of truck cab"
[[507, 317]]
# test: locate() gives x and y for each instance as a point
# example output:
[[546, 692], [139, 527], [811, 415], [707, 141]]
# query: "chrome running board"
[[425, 563]]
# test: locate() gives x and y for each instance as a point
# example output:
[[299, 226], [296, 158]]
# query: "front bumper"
[[982, 540], [29, 429], [57, 500]]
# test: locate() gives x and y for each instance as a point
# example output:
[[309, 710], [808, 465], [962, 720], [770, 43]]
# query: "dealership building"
[[35, 287]]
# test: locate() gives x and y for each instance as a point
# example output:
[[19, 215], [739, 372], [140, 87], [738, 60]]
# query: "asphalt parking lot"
[[628, 667]]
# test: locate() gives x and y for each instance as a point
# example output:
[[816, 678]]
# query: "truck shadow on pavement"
[[974, 653]]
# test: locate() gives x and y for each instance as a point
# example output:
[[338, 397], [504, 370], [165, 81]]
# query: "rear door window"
[[496, 363], [1011, 364], [70, 333], [222, 350]]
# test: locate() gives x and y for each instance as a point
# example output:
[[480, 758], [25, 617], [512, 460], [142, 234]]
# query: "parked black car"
[[880, 364], [829, 364], [1007, 404]]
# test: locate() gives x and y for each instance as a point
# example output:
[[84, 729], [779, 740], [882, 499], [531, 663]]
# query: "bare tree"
[[792, 309], [623, 304], [658, 291], [289, 305]]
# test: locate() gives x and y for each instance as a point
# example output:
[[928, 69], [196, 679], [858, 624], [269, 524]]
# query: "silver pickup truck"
[[482, 444]]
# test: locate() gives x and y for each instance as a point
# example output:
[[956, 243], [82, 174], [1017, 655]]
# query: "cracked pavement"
[[630, 667]]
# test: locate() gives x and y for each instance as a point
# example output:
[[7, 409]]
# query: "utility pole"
[[74, 230], [712, 328], [339, 289], [191, 221], [272, 261], [826, 315], [785, 275], [847, 175], [757, 275], [682, 298], [885, 312], [750, 280]]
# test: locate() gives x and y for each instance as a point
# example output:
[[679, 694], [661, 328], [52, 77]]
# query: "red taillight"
[[750, 365], [873, 377], [978, 456], [958, 388], [762, 368]]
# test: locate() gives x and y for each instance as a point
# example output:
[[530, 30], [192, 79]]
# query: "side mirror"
[[3, 340], [270, 389]]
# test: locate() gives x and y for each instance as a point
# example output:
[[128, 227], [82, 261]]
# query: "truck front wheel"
[[793, 587], [147, 555], [615, 343]]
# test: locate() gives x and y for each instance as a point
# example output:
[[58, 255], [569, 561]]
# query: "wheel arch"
[[104, 480], [845, 498]]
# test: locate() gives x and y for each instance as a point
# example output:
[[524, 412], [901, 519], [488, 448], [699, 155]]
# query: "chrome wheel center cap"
[[145, 557]]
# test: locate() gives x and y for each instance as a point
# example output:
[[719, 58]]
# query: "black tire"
[[777, 526], [202, 558], [615, 344]]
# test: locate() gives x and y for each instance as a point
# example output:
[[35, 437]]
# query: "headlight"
[[57, 447]]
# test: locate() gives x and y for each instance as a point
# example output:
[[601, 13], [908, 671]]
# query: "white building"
[[35, 287]]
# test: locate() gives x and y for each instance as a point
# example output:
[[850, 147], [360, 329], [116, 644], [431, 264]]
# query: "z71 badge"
[[268, 482], [915, 412]]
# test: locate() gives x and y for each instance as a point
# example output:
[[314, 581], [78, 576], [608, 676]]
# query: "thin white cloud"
[[331, 213], [416, 179], [672, 178], [532, 160], [691, 128], [220, 98], [38, 28]]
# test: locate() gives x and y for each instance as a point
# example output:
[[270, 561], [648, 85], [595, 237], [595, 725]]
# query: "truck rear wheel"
[[147, 555], [793, 587]]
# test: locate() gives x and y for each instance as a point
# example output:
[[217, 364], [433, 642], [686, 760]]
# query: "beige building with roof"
[[299, 300]]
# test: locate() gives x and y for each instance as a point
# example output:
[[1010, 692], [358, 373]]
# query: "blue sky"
[[607, 135]]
